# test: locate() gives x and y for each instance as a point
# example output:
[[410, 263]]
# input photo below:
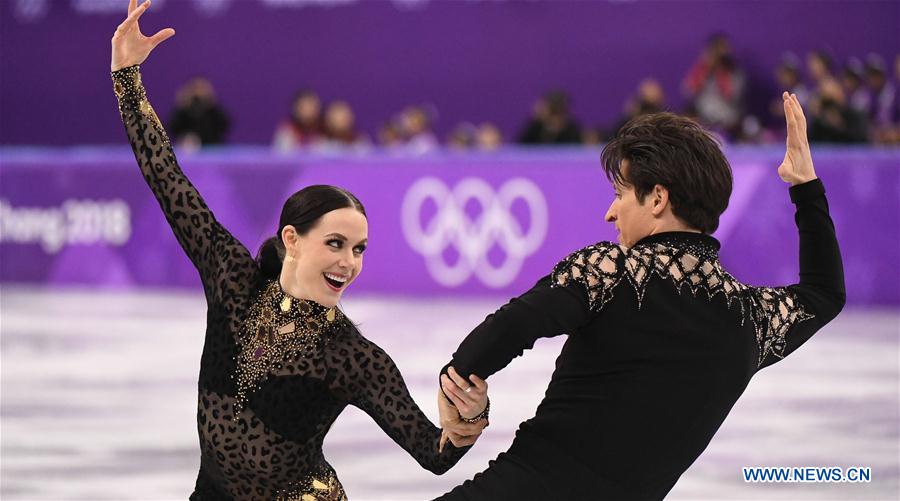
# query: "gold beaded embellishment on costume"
[[323, 486], [279, 329], [131, 95], [773, 311]]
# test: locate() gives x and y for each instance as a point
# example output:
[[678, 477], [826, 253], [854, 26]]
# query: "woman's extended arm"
[[373, 383], [224, 264]]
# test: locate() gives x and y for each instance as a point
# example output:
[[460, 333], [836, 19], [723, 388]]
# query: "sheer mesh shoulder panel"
[[597, 267], [772, 311], [226, 267]]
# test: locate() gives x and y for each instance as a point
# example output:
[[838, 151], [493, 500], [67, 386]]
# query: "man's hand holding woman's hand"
[[458, 399]]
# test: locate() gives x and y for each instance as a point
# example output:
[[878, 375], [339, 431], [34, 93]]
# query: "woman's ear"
[[291, 240]]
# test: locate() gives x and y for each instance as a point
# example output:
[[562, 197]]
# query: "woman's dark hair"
[[302, 210], [677, 153]]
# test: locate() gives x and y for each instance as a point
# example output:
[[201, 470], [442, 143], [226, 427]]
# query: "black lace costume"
[[662, 342], [275, 371]]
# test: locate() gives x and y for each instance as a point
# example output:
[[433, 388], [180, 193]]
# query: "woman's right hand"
[[129, 45]]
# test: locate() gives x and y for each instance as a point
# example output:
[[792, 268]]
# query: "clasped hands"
[[457, 399]]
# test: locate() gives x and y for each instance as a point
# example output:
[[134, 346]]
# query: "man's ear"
[[660, 195]]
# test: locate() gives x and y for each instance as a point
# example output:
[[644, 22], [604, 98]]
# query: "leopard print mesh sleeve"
[[224, 264], [371, 381]]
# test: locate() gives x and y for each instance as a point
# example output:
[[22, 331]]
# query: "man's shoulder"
[[597, 267]]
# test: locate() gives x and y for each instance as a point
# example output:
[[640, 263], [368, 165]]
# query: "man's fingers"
[[453, 389], [801, 117], [788, 109], [460, 404], [161, 36], [479, 383], [790, 114], [462, 383], [132, 4]]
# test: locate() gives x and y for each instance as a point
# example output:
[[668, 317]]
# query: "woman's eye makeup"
[[336, 243]]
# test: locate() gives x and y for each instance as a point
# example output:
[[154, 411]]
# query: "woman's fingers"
[[134, 16], [132, 4], [161, 36], [460, 441], [466, 429], [444, 439]]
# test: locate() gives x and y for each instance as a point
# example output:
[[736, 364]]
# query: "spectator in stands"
[[787, 76], [858, 95], [884, 93], [416, 130], [304, 127], [488, 137], [892, 134], [198, 120], [340, 127], [820, 66], [592, 136], [390, 135], [833, 121], [462, 137], [715, 86], [551, 122], [649, 97]]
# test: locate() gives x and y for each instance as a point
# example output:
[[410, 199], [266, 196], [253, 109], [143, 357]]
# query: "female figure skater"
[[280, 360]]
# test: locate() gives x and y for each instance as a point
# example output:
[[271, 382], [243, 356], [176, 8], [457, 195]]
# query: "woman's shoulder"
[[349, 342]]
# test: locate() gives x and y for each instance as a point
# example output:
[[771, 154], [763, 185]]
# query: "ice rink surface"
[[99, 401]]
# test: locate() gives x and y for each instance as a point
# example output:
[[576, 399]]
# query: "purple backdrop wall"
[[442, 224], [474, 60]]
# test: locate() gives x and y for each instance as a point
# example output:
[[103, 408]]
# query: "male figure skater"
[[662, 340]]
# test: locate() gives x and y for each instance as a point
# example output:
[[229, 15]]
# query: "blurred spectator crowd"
[[855, 102]]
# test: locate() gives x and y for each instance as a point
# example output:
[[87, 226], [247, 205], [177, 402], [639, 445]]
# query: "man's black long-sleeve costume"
[[662, 342]]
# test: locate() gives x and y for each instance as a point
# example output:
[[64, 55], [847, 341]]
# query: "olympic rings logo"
[[473, 238]]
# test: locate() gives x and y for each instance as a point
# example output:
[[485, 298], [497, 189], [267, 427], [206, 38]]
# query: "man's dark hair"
[[677, 153]]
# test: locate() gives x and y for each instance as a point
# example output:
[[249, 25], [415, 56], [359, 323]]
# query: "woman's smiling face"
[[329, 257]]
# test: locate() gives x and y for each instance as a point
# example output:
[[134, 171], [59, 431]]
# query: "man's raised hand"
[[797, 167], [129, 45]]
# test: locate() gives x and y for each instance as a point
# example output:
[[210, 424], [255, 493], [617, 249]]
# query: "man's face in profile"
[[633, 219]]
